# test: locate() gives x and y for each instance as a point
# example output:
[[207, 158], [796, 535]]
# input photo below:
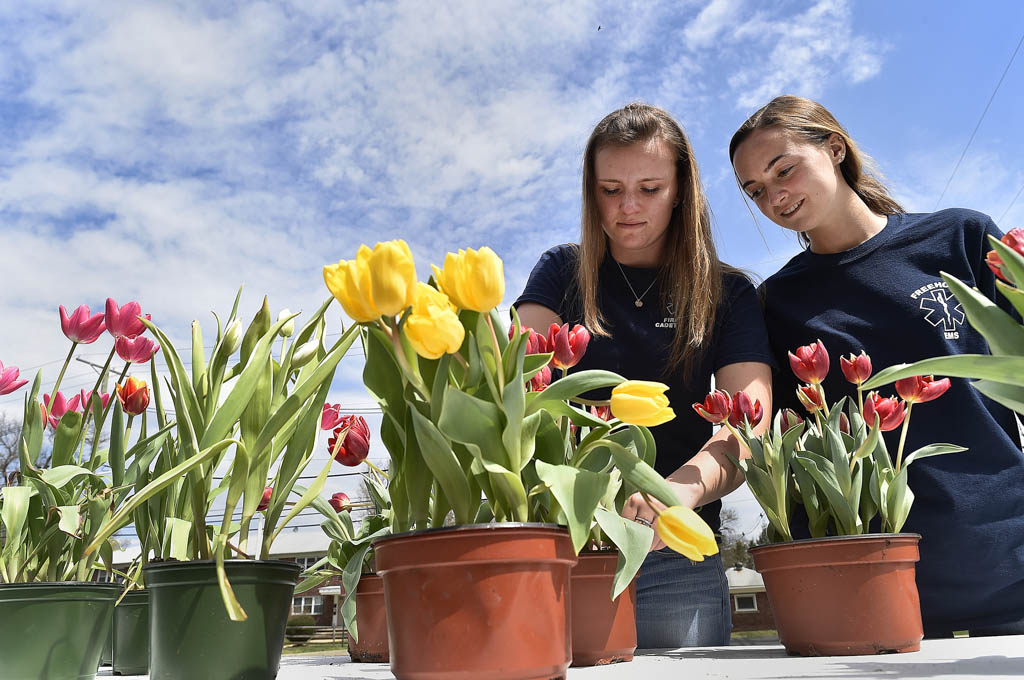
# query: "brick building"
[[749, 601]]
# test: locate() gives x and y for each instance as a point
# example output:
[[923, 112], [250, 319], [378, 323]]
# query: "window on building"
[[307, 605], [744, 603], [306, 562]]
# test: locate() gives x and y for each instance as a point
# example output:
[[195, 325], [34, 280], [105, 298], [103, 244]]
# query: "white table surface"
[[992, 658]]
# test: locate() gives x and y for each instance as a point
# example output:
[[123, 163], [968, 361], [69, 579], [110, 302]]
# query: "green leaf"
[[1003, 369], [1012, 260], [633, 541], [641, 475], [350, 582], [932, 450], [470, 420], [1004, 334], [1014, 295], [178, 532], [578, 492], [821, 469], [445, 467], [572, 386], [59, 476], [116, 459], [65, 441], [898, 500], [14, 513], [1010, 396], [70, 519]]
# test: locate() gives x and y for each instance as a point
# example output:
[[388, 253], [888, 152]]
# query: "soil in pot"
[[844, 595]]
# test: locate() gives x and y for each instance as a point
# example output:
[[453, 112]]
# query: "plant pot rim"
[[88, 584], [183, 564], [834, 539], [489, 526]]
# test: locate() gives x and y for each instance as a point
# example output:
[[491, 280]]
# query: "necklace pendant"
[[639, 303]]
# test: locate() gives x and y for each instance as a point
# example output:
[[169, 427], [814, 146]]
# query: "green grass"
[[745, 634], [317, 648]]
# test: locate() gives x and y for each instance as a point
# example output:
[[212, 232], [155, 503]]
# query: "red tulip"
[[889, 411], [790, 419], [810, 363], [844, 424], [604, 412], [857, 368], [133, 395], [124, 320], [745, 409], [921, 388], [1013, 238], [87, 399], [340, 501], [60, 407], [541, 380], [717, 407], [9, 379], [810, 396], [265, 500], [535, 343], [995, 263], [331, 416], [568, 345], [81, 327], [137, 349], [354, 448]]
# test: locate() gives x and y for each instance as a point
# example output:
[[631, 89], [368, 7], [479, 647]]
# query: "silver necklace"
[[639, 298]]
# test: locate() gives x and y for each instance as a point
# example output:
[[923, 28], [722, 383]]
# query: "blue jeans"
[[680, 603]]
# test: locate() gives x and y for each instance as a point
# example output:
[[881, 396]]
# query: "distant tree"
[[10, 438]]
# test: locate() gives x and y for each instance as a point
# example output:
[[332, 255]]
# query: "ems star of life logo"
[[941, 308]]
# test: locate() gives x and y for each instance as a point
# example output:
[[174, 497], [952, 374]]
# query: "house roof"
[[743, 580], [292, 542]]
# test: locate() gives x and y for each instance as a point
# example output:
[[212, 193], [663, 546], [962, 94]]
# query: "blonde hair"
[[814, 123], [689, 271]]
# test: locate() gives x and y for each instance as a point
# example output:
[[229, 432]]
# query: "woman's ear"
[[837, 148]]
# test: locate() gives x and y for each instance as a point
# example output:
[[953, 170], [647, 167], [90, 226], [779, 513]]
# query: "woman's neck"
[[853, 224]]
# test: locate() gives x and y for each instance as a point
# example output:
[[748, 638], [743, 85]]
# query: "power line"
[[1019, 191], [964, 152]]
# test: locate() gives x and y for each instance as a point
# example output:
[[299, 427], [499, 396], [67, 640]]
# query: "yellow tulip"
[[375, 283], [641, 402], [473, 279], [684, 531], [433, 328]]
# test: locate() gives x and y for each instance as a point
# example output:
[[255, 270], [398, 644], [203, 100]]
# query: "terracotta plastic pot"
[[131, 634], [603, 630], [54, 631], [191, 635], [478, 602], [844, 595], [371, 622]]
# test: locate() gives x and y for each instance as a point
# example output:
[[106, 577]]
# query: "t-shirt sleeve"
[[741, 334], [550, 279]]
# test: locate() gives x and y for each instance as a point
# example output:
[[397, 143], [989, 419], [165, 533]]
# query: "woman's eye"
[[754, 195], [785, 171], [609, 192], [651, 190]]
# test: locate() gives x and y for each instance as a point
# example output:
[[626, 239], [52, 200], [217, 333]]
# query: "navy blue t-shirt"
[[641, 341], [885, 296]]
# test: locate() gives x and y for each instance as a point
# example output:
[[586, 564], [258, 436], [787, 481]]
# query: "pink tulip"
[[857, 368], [540, 381], [340, 501], [604, 411], [888, 411], [81, 327], [9, 379], [921, 388], [743, 408], [265, 500], [535, 343], [124, 320], [716, 408], [331, 416], [137, 349], [60, 407], [810, 363], [568, 345], [87, 399]]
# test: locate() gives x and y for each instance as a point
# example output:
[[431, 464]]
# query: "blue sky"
[[170, 151]]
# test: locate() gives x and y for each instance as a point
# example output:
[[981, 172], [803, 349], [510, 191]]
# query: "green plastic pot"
[[191, 635], [107, 653], [53, 631], [131, 634]]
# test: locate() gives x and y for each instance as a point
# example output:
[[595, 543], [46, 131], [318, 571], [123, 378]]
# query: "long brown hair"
[[690, 273], [814, 123]]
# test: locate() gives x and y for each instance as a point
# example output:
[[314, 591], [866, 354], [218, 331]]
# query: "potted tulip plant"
[[460, 425], [836, 467], [51, 514], [255, 420]]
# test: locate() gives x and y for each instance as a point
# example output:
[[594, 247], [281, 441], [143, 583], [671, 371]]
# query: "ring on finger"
[[643, 520]]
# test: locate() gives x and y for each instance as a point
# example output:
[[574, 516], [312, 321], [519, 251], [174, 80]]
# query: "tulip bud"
[[743, 409], [304, 352], [81, 326], [887, 411], [59, 407], [921, 388], [790, 419], [685, 532], [716, 408], [288, 329], [810, 396], [641, 402], [995, 263], [844, 424], [604, 411], [541, 380], [232, 337], [473, 279], [433, 328], [568, 346], [133, 395], [265, 500], [355, 446], [857, 368], [810, 363], [331, 416], [340, 501], [124, 320]]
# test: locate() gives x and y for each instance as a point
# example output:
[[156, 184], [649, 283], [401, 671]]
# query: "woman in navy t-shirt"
[[646, 282], [869, 280]]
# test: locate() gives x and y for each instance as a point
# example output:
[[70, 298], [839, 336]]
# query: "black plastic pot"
[[54, 631], [191, 635], [131, 634]]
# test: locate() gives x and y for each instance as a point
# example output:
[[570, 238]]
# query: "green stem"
[[497, 355], [903, 437], [60, 377], [821, 395], [860, 398], [410, 372]]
